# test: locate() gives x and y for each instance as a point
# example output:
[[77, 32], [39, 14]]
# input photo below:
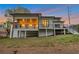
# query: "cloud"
[[74, 18], [46, 11]]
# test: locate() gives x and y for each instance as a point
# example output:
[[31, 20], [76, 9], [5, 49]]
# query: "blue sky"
[[48, 9]]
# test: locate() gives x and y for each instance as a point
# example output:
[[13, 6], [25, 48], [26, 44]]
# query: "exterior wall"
[[42, 32], [58, 23], [50, 23], [58, 26]]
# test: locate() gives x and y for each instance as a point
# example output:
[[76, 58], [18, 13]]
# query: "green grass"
[[39, 41]]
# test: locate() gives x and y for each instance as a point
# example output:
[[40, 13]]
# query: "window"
[[21, 22], [35, 23], [45, 22], [57, 25], [28, 23]]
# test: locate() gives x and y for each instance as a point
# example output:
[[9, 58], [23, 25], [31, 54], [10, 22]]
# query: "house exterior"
[[24, 24]]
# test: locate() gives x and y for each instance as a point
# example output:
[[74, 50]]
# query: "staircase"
[[72, 30]]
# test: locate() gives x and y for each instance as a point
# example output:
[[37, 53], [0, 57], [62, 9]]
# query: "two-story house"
[[27, 24]]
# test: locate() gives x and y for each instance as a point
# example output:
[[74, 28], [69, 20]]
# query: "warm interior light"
[[28, 23], [45, 22], [22, 22], [23, 25], [35, 23]]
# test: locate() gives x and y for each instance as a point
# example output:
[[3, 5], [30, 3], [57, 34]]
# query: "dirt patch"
[[57, 49]]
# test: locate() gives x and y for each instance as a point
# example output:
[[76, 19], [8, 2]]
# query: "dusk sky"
[[59, 10]]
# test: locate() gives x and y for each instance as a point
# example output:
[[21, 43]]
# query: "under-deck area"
[[60, 31], [32, 33], [24, 33]]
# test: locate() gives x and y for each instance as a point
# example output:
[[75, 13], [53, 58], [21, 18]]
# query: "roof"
[[57, 17], [21, 10], [32, 14], [18, 10], [47, 16], [58, 21], [51, 17]]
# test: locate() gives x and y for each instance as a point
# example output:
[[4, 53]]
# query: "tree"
[[7, 26], [7, 12]]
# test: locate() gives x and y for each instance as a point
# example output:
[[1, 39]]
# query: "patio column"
[[64, 31], [11, 31], [25, 34], [19, 33], [54, 30], [46, 31]]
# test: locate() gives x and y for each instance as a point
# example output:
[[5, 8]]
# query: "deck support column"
[[19, 34], [11, 31], [54, 30], [46, 31], [25, 34], [64, 31]]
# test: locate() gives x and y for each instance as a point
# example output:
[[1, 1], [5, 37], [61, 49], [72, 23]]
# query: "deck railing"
[[26, 27], [41, 26], [51, 26]]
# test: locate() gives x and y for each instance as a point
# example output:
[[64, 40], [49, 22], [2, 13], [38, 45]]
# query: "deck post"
[[25, 34], [46, 31], [64, 31], [19, 34], [11, 31], [54, 30]]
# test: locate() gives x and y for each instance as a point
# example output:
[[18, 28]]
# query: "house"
[[27, 24]]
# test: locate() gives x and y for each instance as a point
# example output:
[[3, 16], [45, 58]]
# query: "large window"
[[45, 22], [28, 23], [35, 23]]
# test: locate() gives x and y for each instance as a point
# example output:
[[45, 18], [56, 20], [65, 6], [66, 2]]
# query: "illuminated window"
[[21, 22], [35, 23], [32, 23], [28, 23], [45, 22]]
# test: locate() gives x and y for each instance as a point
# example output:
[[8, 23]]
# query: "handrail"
[[72, 30]]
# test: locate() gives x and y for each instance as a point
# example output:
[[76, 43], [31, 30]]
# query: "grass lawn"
[[39, 41]]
